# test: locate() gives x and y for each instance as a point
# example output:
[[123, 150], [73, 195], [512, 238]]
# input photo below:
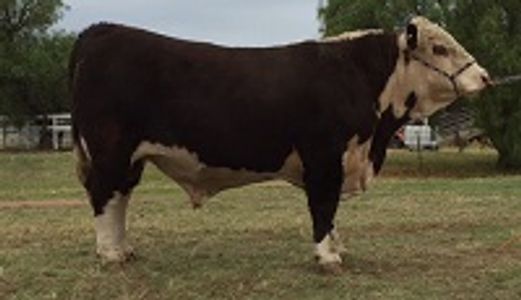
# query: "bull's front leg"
[[323, 185]]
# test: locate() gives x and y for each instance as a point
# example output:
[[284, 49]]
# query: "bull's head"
[[434, 67]]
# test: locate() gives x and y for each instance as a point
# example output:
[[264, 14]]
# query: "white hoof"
[[331, 258], [327, 252], [115, 254]]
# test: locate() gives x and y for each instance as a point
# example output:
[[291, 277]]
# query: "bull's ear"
[[412, 36]]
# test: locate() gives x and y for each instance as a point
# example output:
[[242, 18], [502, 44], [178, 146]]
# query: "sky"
[[227, 22]]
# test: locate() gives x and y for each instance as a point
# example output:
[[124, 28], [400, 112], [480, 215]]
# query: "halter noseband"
[[450, 77]]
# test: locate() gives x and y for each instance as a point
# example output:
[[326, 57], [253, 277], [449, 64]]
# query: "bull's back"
[[232, 107]]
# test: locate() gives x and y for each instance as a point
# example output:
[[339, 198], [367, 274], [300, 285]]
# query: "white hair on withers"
[[351, 35]]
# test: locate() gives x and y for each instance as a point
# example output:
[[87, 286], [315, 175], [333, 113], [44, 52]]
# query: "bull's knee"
[[110, 225]]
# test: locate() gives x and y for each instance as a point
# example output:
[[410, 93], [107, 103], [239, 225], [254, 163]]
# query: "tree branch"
[[24, 13]]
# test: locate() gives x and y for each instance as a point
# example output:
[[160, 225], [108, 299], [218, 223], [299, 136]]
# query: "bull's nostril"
[[486, 79]]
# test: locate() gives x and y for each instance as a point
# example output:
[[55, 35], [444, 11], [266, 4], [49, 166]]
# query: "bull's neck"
[[376, 56], [398, 90]]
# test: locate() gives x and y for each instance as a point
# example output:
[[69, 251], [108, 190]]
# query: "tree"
[[33, 61], [20, 18], [491, 30], [344, 15]]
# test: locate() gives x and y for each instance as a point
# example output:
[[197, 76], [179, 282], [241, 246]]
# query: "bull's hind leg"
[[109, 183], [110, 201], [110, 227], [110, 214]]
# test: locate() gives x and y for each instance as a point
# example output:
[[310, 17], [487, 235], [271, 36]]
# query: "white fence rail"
[[27, 136], [61, 131]]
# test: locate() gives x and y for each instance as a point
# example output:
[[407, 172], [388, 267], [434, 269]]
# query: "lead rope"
[[506, 80]]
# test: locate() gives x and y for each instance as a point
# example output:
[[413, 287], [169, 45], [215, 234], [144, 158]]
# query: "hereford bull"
[[318, 114]]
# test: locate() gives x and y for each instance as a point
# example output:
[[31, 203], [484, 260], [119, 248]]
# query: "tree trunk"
[[509, 160]]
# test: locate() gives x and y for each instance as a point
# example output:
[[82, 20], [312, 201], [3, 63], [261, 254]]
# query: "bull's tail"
[[72, 77], [76, 59]]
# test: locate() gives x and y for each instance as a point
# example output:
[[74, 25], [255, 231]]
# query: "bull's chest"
[[201, 181]]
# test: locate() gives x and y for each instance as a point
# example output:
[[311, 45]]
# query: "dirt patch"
[[41, 204]]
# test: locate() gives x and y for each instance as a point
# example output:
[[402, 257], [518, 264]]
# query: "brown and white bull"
[[318, 114]]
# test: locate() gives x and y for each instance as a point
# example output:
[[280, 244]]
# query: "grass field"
[[446, 228]]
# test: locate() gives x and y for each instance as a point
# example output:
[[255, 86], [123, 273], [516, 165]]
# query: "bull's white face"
[[429, 55]]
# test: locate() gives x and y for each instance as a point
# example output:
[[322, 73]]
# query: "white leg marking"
[[337, 242], [82, 165], [327, 251], [85, 148], [110, 230]]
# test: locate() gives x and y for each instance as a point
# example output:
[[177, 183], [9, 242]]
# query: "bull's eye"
[[440, 50]]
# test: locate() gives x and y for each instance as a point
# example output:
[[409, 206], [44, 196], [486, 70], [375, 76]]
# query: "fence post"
[[4, 132], [419, 151], [55, 144]]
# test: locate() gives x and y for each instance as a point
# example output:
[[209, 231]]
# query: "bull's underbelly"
[[201, 181]]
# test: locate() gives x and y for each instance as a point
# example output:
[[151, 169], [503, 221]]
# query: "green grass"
[[474, 162], [43, 176], [448, 230]]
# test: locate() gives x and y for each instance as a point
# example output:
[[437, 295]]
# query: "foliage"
[[35, 79], [33, 61], [37, 176], [345, 15], [20, 19], [491, 30]]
